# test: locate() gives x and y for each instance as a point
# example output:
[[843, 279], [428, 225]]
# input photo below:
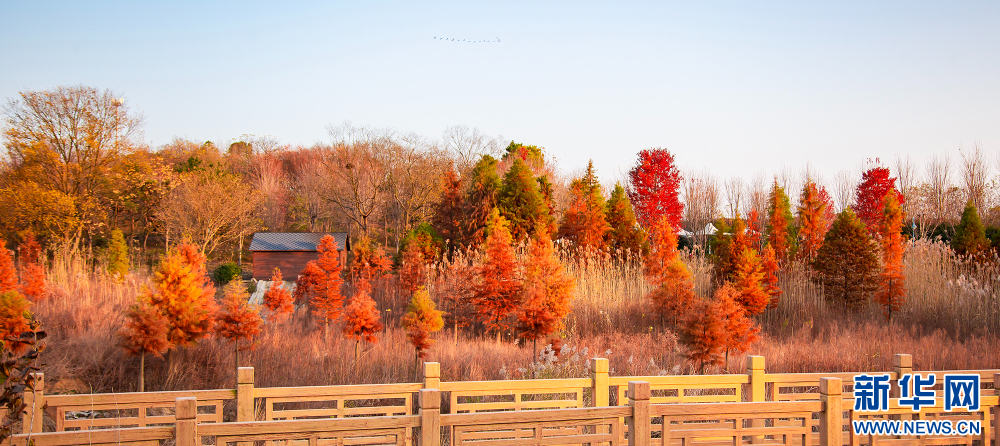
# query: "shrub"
[[226, 272]]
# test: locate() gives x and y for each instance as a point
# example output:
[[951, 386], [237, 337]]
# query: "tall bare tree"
[[906, 172], [938, 173], [359, 167], [845, 182], [975, 171], [210, 207], [465, 146], [701, 203], [735, 191]]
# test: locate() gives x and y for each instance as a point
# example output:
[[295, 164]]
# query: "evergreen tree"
[[480, 200], [770, 267], [545, 188], [729, 243], [117, 256], [420, 321], [847, 263], [812, 221], [779, 222], [183, 294], [363, 321], [277, 299], [238, 320], [625, 233], [891, 294], [449, 209], [326, 280], [520, 202], [584, 221], [970, 237], [704, 334], [497, 292], [748, 283]]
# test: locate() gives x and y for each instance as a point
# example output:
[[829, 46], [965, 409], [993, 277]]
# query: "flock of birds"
[[448, 39]]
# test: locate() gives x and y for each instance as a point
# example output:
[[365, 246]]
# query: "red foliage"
[[369, 264], [891, 294], [14, 318], [239, 320], [497, 291], [448, 215], [770, 268], [704, 334], [184, 295], [813, 222], [654, 185], [547, 291], [33, 281], [741, 332], [305, 284], [870, 196], [413, 271], [327, 301], [145, 330], [277, 299], [747, 283], [779, 221], [673, 284], [30, 249], [362, 318], [8, 275], [584, 222]]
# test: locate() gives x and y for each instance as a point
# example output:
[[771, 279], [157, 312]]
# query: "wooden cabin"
[[290, 251]]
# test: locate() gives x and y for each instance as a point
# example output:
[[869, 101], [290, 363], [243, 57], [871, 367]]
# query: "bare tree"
[[844, 184], [906, 172], [210, 207], [975, 171], [466, 146], [701, 203], [938, 172], [414, 181], [359, 168], [734, 195]]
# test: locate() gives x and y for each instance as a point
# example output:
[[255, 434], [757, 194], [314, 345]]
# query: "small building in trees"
[[290, 251]]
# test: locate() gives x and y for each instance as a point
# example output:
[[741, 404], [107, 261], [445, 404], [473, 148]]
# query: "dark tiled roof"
[[295, 241]]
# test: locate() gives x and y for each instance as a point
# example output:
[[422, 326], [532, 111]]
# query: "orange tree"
[[779, 222], [277, 299], [8, 275], [584, 222], [327, 301], [704, 334], [421, 319], [239, 320], [747, 282], [369, 264], [362, 321], [769, 265], [546, 293], [673, 286], [812, 221], [413, 268], [498, 290], [32, 272], [891, 294], [144, 331], [740, 331], [182, 292], [15, 319]]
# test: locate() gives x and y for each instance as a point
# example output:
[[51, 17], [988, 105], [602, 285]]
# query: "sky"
[[732, 88]]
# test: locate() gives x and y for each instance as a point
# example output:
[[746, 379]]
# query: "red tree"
[[499, 286], [891, 294], [673, 286], [238, 320], [32, 271], [704, 334], [144, 331], [813, 223], [327, 302], [448, 215], [413, 270], [770, 267], [14, 320], [546, 293], [779, 222], [369, 264], [584, 222], [305, 284], [870, 196], [277, 299], [654, 183], [362, 321], [740, 331], [8, 275]]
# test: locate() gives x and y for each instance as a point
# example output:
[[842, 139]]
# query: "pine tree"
[[182, 292], [14, 320], [779, 222], [654, 185], [520, 202], [812, 221], [327, 301], [741, 332], [546, 293], [584, 222], [728, 246], [362, 321], [704, 334], [625, 233], [8, 275], [747, 281], [847, 263], [144, 331], [448, 211], [239, 320], [305, 284], [420, 321], [673, 285], [369, 264], [891, 294], [117, 256], [277, 299], [480, 200], [413, 271], [770, 267], [970, 237], [497, 291]]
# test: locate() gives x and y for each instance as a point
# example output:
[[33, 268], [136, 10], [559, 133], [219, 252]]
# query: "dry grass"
[[950, 322]]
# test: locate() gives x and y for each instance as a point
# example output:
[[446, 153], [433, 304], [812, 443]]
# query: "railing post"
[[599, 382], [186, 426], [831, 420], [757, 391], [639, 424], [432, 376], [902, 364], [244, 394], [996, 412], [430, 417], [34, 399]]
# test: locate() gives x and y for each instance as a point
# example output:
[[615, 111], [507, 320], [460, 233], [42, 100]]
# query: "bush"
[[226, 272]]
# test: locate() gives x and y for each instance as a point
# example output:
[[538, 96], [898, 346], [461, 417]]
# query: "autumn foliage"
[[779, 222], [497, 292], [547, 291], [748, 283], [847, 263], [740, 331], [14, 319], [369, 264], [891, 294], [420, 321], [362, 320], [238, 320], [183, 294], [870, 196], [327, 301], [277, 299], [654, 183], [8, 275], [144, 331], [704, 333], [813, 222], [413, 270], [769, 264], [584, 222], [673, 285]]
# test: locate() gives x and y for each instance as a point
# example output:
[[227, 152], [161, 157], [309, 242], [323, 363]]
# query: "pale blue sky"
[[741, 87]]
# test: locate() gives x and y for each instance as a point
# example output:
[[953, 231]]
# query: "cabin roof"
[[296, 241]]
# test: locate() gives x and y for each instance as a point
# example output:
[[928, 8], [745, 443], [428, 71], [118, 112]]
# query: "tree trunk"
[[456, 332], [534, 349], [237, 355], [416, 365], [142, 372], [357, 350]]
